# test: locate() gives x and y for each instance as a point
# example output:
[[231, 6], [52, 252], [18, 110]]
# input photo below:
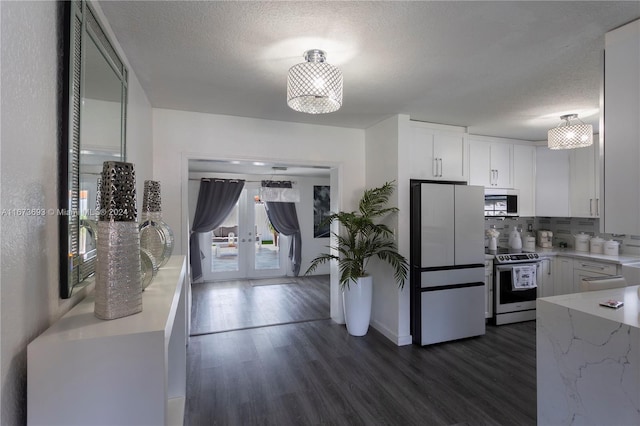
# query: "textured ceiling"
[[500, 68]]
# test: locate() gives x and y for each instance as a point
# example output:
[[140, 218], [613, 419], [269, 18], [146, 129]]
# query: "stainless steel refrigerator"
[[447, 261]]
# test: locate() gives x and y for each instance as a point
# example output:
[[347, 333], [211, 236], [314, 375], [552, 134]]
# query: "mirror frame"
[[81, 25]]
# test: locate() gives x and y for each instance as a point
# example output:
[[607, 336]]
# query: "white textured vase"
[[357, 301]]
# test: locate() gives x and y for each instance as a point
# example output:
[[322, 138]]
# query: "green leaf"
[[362, 238]]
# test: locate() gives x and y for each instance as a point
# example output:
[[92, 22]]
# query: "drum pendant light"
[[314, 86], [568, 136]]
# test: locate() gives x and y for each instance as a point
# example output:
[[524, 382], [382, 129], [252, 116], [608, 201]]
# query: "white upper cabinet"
[[524, 178], [490, 164], [622, 137], [552, 182], [584, 181], [437, 155]]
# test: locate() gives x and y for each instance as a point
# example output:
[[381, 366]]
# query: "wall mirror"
[[94, 131]]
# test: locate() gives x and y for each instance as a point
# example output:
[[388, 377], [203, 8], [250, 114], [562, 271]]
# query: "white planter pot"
[[357, 306]]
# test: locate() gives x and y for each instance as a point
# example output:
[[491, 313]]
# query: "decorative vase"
[[118, 290], [155, 235], [149, 267], [357, 301]]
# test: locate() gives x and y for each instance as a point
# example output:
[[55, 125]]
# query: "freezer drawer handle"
[[452, 286]]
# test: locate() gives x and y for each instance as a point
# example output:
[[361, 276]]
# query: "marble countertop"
[[555, 251], [588, 302]]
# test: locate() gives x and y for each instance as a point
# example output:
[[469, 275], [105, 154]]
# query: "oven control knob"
[[500, 257]]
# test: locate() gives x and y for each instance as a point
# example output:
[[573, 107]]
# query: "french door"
[[245, 245]]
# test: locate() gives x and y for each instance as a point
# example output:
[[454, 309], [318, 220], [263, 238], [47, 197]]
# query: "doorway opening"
[[247, 274]]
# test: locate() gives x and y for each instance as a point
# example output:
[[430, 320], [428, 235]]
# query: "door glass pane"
[[224, 244], [267, 249]]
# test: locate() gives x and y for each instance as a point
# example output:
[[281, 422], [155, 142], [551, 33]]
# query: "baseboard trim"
[[398, 340]]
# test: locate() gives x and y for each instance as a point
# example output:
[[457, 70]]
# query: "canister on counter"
[[596, 245]]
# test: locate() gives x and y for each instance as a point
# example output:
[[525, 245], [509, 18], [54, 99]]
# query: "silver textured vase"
[[155, 235], [118, 291]]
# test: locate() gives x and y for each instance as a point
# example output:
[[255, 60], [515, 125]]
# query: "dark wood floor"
[[315, 373], [239, 304]]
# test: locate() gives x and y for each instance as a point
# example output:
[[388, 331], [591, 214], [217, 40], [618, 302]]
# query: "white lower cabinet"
[[127, 371], [488, 287], [563, 274], [591, 269], [568, 273], [545, 277]]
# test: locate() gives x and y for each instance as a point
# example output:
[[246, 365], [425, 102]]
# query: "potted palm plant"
[[362, 239]]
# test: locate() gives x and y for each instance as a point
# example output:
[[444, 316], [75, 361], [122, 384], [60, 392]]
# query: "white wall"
[[382, 150], [100, 125], [29, 258], [311, 246], [180, 135]]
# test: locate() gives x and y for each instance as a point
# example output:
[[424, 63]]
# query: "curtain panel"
[[216, 199], [284, 218]]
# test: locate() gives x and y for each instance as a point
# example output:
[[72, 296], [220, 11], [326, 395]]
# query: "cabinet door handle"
[[597, 206], [590, 206], [435, 167], [440, 161]]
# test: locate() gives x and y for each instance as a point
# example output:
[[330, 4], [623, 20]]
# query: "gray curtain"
[[284, 218], [216, 200]]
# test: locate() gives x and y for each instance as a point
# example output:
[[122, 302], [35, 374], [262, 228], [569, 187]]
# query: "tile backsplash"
[[563, 229]]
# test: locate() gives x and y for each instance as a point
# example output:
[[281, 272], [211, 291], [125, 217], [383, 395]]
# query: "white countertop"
[[588, 302], [556, 251]]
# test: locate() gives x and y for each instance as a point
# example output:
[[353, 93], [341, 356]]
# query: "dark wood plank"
[[315, 373], [232, 305]]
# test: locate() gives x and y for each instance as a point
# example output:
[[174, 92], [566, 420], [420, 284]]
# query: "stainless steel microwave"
[[500, 202]]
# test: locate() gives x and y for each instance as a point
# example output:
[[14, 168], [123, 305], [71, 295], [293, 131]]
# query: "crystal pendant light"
[[314, 87], [568, 136]]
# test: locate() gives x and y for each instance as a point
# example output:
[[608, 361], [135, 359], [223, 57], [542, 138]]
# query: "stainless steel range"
[[515, 286]]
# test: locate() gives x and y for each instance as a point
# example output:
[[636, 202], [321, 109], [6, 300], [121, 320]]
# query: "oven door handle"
[[511, 266], [504, 267]]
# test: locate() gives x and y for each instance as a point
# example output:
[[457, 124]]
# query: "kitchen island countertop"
[[588, 358]]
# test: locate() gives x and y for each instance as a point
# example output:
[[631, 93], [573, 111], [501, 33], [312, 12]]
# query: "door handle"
[[435, 167], [441, 172], [590, 206], [597, 206]]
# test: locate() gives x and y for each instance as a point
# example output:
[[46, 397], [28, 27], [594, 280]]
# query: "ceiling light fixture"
[[314, 87], [567, 135]]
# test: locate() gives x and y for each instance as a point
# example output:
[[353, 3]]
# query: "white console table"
[[127, 371]]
